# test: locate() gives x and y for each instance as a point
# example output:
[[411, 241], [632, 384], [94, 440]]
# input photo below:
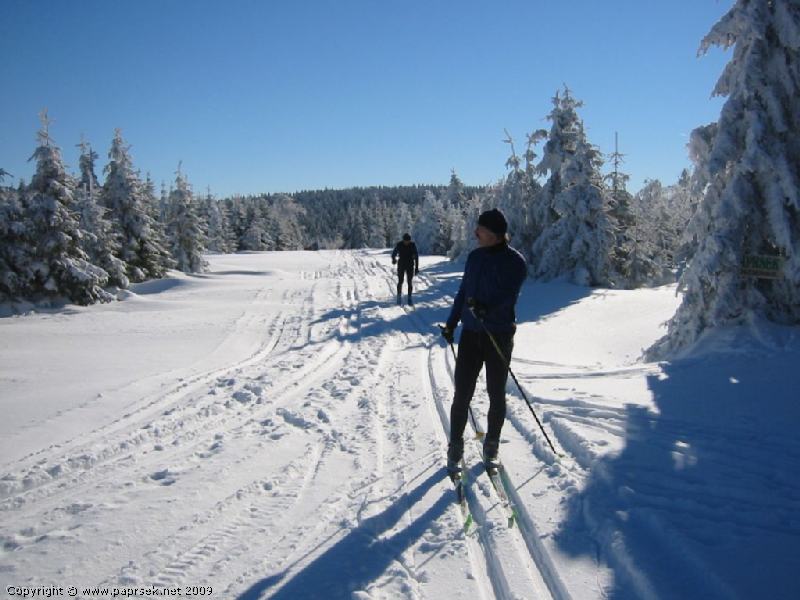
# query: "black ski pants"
[[408, 272], [474, 349]]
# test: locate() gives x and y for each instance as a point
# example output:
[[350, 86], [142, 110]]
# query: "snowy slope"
[[277, 427]]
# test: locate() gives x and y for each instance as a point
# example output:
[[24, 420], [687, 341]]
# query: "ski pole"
[[479, 435], [471, 305]]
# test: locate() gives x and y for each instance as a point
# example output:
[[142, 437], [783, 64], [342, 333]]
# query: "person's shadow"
[[703, 500], [361, 556]]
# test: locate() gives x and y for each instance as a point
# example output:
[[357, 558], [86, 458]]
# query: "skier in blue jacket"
[[486, 300]]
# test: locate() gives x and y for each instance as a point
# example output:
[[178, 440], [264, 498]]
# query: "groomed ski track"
[[276, 428], [310, 466], [505, 552]]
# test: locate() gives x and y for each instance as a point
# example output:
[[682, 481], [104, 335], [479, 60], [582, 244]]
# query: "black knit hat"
[[407, 237], [494, 221]]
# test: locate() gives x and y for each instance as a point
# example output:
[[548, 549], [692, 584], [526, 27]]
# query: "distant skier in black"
[[407, 265], [493, 277]]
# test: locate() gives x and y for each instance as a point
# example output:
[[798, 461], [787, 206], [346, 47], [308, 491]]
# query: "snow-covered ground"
[[277, 428]]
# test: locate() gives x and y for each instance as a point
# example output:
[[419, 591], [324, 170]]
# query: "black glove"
[[394, 261], [447, 334], [478, 309], [416, 270]]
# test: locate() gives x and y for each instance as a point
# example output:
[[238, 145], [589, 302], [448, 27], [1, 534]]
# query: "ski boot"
[[490, 451], [455, 450]]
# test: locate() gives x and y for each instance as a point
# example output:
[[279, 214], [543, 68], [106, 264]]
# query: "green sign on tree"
[[762, 266]]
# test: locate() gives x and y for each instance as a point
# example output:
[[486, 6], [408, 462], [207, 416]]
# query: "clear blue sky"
[[259, 96]]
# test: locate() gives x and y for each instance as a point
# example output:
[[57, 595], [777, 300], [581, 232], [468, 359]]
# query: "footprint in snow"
[[243, 396], [213, 449], [77, 507], [9, 544], [271, 429], [254, 389], [165, 477]]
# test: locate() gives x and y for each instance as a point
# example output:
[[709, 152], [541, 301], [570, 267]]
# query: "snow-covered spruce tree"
[[400, 220], [59, 266], [184, 228], [654, 240], [15, 244], [454, 195], [356, 233], [140, 248], [578, 235], [752, 202], [560, 144], [256, 235], [370, 210], [157, 209], [700, 145], [680, 204], [662, 215], [387, 225], [635, 257], [239, 221], [427, 231], [284, 217], [163, 205], [454, 201], [99, 240], [86, 162], [517, 192], [220, 235], [511, 193], [236, 215], [621, 199], [464, 240]]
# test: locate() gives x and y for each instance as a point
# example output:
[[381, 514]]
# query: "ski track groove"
[[541, 559], [187, 453], [179, 565], [148, 401], [535, 557], [372, 417], [389, 417], [258, 517], [481, 552], [86, 451], [303, 349], [247, 504], [69, 488], [97, 462]]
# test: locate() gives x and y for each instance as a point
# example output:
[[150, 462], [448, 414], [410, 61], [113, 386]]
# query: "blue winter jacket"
[[493, 276]]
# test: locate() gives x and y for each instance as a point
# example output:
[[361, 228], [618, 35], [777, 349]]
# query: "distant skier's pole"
[[478, 433], [508, 365]]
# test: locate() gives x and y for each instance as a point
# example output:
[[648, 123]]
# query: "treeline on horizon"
[[71, 236]]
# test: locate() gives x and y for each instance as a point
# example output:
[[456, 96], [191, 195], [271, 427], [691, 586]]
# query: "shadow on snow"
[[703, 500], [361, 556], [537, 301]]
